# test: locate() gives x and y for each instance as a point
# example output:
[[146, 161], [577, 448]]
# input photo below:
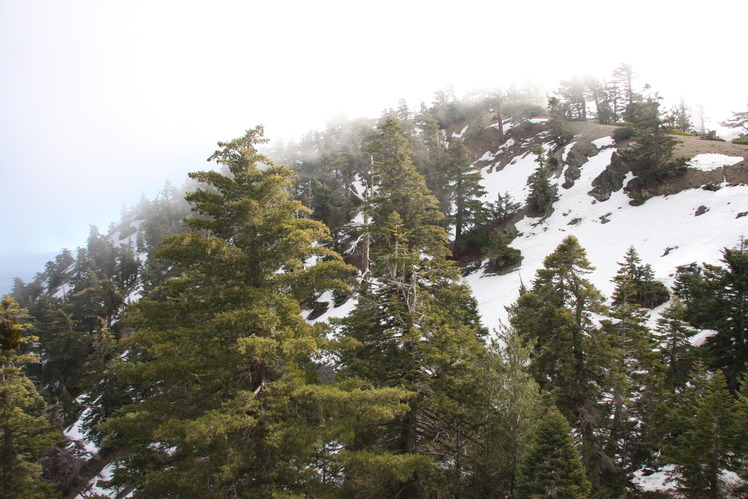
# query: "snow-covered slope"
[[666, 231], [691, 226]]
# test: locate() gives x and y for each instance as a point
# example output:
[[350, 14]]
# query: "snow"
[[511, 179], [75, 434], [664, 230], [655, 226], [659, 481], [700, 338], [604, 142], [332, 312], [712, 161], [461, 134], [487, 156], [568, 147]]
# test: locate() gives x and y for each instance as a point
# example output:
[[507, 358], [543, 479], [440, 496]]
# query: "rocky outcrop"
[[611, 179]]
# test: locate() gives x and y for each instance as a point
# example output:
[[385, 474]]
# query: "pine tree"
[[553, 467], [635, 364], [572, 354], [707, 441], [716, 297], [221, 363], [636, 284], [542, 194], [507, 414], [415, 327], [677, 353], [26, 432], [466, 193], [738, 120]]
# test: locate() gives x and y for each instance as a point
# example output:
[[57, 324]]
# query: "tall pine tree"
[[415, 327], [221, 363]]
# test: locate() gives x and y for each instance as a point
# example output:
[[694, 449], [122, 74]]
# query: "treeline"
[[184, 354]]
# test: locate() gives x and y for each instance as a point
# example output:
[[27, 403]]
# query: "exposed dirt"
[[686, 147]]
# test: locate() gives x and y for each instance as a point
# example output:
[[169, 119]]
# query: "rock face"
[[611, 179]]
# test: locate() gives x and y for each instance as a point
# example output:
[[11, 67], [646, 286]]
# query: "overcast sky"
[[101, 101]]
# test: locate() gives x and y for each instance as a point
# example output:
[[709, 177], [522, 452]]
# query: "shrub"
[[500, 256], [740, 141], [623, 133]]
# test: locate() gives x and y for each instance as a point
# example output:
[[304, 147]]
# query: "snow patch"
[[658, 224], [487, 156], [460, 135], [604, 142], [75, 434], [712, 161], [659, 481], [566, 150]]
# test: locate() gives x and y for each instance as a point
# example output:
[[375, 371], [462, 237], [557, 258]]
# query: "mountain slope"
[[688, 224], [667, 231]]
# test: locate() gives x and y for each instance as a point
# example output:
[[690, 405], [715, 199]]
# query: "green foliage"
[[26, 432], [716, 298], [542, 193], [466, 191], [500, 255], [621, 134], [553, 467], [507, 411], [709, 434], [221, 361], [415, 327], [572, 355], [635, 283], [635, 364], [740, 141]]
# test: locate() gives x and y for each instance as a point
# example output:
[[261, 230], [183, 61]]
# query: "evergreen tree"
[[573, 99], [677, 353], [707, 441], [716, 297], [466, 193], [26, 432], [415, 327], [553, 467], [739, 120], [507, 414], [634, 367], [221, 363], [635, 283], [572, 354], [542, 193], [430, 157], [651, 156]]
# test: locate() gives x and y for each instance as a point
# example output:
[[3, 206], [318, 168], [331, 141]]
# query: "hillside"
[[668, 230], [239, 299]]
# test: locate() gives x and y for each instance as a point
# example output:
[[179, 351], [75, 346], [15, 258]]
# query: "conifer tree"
[[553, 467], [466, 192], [26, 432], [634, 365], [507, 414], [415, 327], [678, 355], [221, 363], [707, 441], [572, 354], [716, 298], [542, 194], [429, 154]]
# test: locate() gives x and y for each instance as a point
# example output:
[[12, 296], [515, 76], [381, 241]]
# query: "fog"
[[102, 102]]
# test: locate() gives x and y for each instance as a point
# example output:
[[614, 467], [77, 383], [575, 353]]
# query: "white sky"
[[101, 101]]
